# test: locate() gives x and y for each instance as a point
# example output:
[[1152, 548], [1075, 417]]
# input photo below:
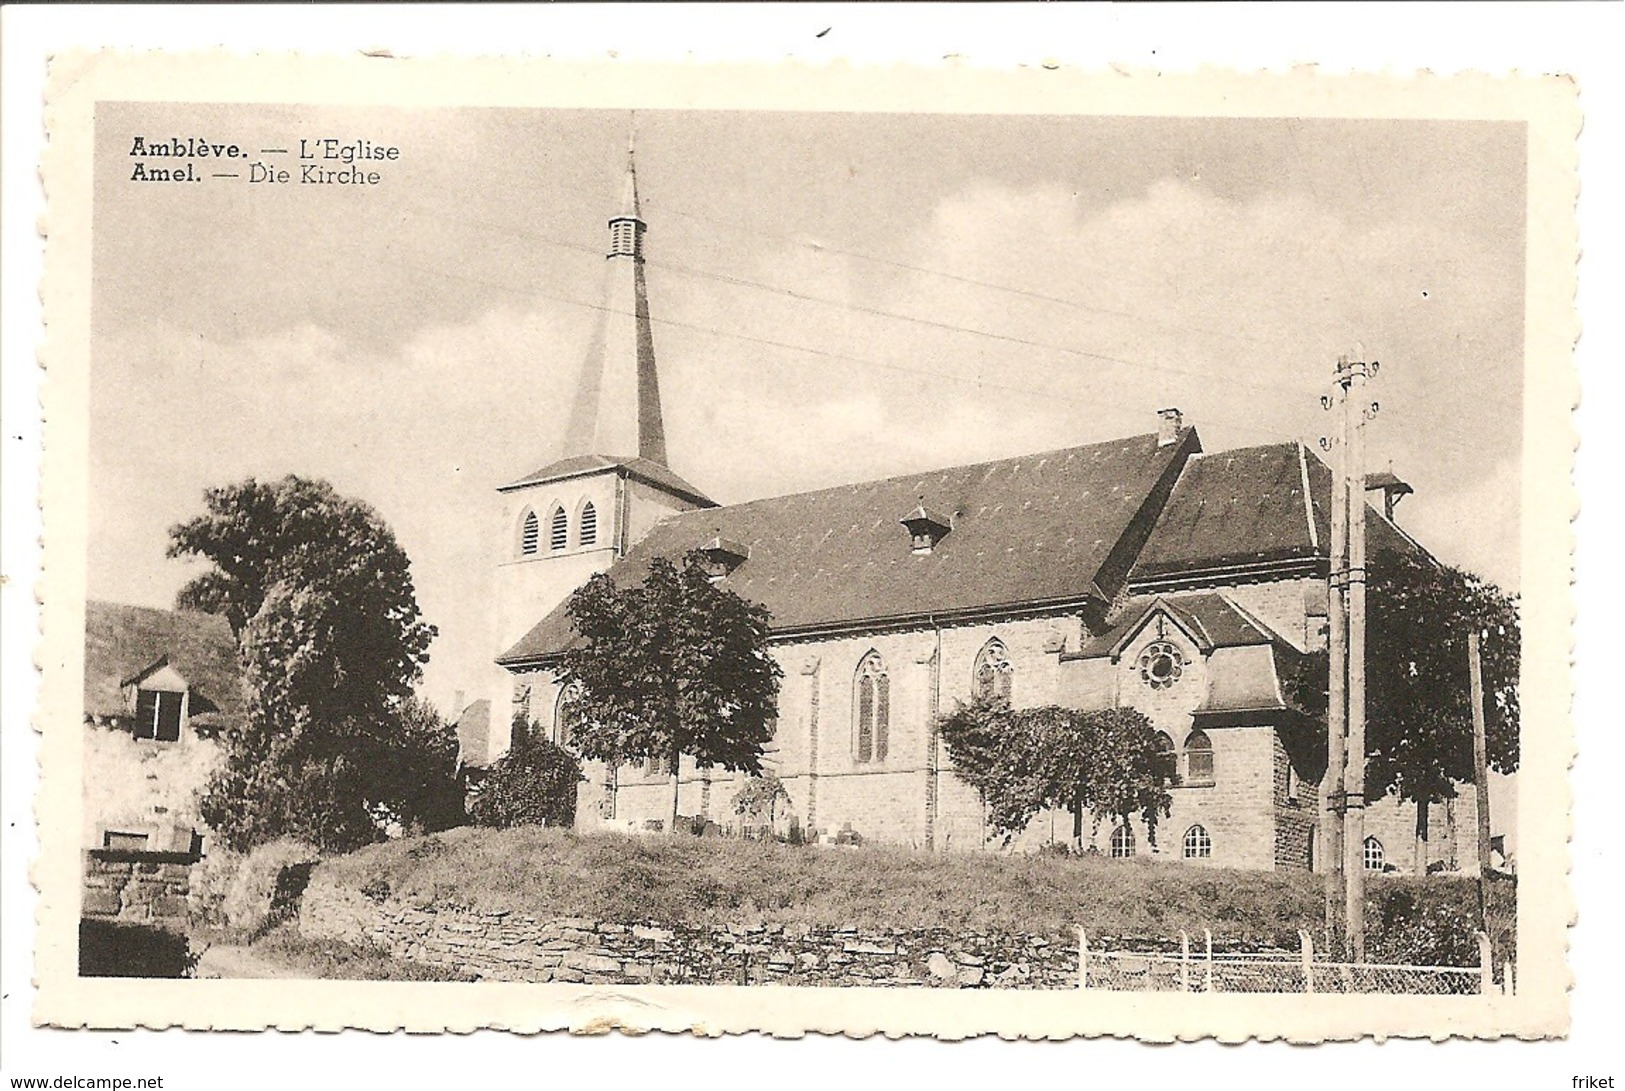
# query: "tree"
[[1022, 761], [1419, 741], [533, 784], [675, 665], [320, 597]]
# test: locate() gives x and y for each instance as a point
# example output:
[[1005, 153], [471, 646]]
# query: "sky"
[[835, 297]]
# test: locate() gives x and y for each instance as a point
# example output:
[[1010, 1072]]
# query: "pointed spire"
[[630, 209], [626, 229], [617, 407]]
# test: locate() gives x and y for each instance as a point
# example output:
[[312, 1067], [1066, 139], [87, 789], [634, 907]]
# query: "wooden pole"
[[1481, 779], [1354, 775], [1331, 788]]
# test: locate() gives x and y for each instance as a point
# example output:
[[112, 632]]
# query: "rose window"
[[1161, 665]]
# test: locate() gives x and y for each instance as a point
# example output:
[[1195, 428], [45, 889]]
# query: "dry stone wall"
[[135, 886], [503, 946]]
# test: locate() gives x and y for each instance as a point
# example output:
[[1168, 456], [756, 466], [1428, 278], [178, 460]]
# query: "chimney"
[[1169, 422]]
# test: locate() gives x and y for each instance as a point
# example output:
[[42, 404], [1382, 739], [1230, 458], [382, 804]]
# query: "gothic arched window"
[[530, 534], [566, 716], [1167, 758], [991, 677], [1198, 758], [873, 714], [558, 535], [589, 524]]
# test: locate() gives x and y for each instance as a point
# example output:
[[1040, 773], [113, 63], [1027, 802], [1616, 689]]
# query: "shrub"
[[209, 882], [533, 784], [268, 884], [1430, 925]]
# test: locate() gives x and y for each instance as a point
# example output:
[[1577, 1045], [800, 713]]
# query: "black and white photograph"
[[1054, 556]]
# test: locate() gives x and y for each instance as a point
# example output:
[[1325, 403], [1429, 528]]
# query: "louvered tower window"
[[589, 524], [530, 536], [559, 533]]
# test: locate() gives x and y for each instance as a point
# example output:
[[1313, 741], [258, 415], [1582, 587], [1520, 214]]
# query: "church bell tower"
[[576, 515]]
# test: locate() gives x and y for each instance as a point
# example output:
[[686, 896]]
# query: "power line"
[[1244, 425], [898, 316]]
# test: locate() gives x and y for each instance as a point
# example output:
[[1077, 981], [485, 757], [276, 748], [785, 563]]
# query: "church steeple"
[[617, 407]]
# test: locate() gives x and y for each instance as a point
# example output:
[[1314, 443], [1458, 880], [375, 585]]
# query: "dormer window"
[[158, 715], [160, 702], [925, 528], [720, 556]]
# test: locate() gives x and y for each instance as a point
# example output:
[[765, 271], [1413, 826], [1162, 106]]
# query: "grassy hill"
[[695, 881]]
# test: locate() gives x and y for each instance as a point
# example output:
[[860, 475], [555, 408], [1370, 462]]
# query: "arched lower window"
[[1123, 842], [1167, 762], [1198, 758], [872, 717], [1198, 845], [991, 677], [559, 532], [566, 715], [1309, 852], [1373, 854], [530, 534], [589, 524]]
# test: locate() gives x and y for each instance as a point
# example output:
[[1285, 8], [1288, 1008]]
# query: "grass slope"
[[694, 881]]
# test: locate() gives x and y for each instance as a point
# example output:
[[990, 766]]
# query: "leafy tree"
[[320, 597], [1419, 717], [533, 784], [1022, 761], [675, 665]]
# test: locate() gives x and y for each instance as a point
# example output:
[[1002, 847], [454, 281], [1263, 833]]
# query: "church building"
[[1142, 572]]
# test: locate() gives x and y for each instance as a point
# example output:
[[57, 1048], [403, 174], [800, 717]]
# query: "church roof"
[[1211, 619], [1030, 532], [125, 643], [1248, 508], [643, 469]]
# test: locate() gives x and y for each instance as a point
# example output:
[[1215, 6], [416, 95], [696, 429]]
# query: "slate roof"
[[1212, 619], [122, 642], [642, 468], [1029, 531], [1246, 507]]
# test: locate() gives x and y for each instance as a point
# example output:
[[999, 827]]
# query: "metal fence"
[[1196, 967]]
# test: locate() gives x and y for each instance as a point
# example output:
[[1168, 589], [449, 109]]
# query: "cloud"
[[1233, 310]]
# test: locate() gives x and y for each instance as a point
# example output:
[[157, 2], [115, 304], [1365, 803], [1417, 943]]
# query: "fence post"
[[1307, 945], [1184, 962], [1083, 959], [1486, 965], [1207, 933], [1509, 983]]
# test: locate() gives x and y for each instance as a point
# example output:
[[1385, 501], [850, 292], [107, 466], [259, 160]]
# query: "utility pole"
[[1331, 786], [1353, 374], [1481, 779]]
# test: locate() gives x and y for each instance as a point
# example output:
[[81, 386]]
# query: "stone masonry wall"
[[135, 886], [501, 946]]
